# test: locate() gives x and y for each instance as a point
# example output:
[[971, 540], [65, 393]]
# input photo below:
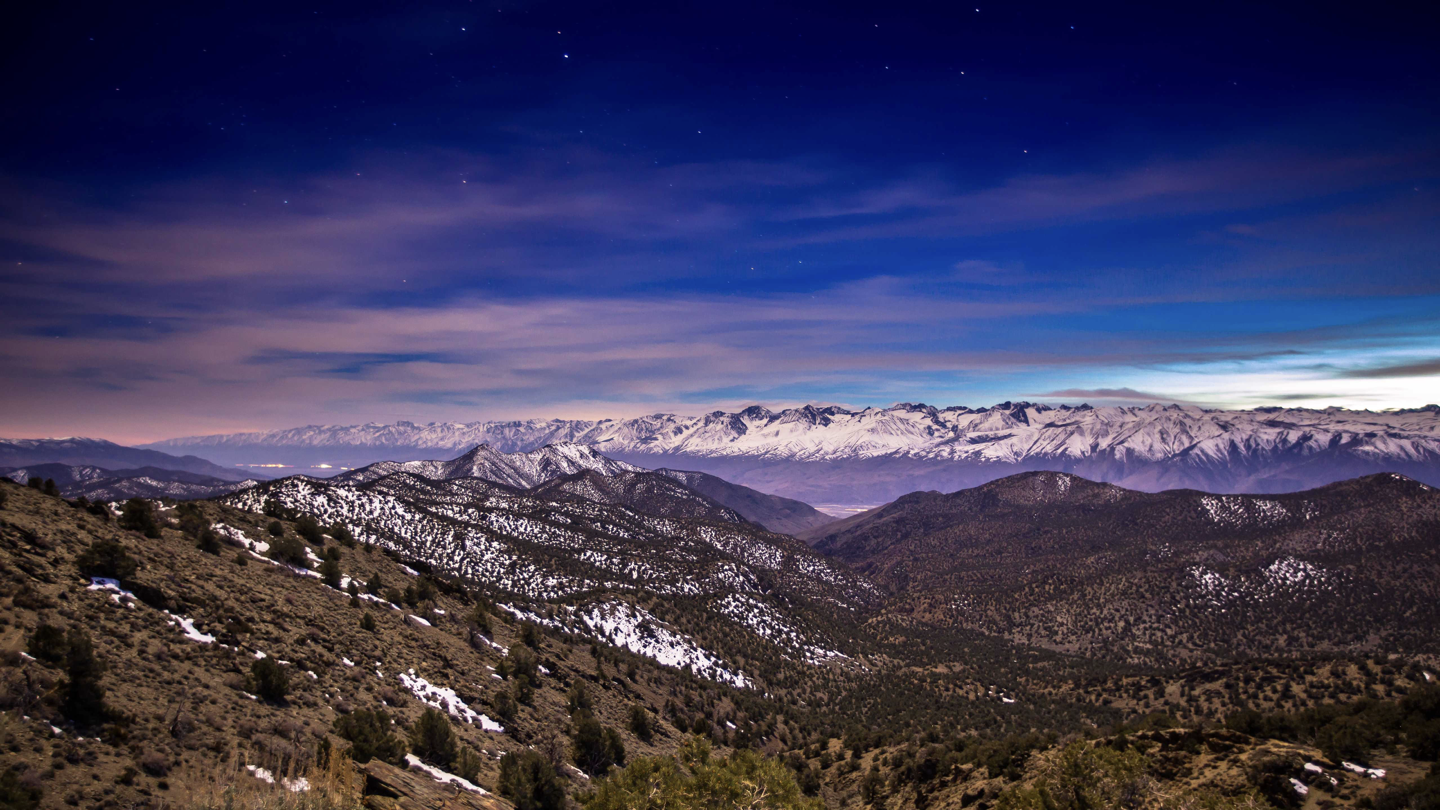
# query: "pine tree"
[[433, 740], [84, 697]]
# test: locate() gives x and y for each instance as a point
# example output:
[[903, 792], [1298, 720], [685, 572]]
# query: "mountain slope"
[[645, 491], [836, 455], [178, 639], [107, 455], [97, 484], [783, 515], [537, 467], [518, 470], [1061, 562], [554, 543]]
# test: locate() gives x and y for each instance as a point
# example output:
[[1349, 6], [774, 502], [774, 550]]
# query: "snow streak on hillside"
[[546, 550]]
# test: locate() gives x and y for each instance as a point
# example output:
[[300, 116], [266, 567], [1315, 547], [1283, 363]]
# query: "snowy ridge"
[[1005, 432], [519, 470], [473, 529], [1150, 448], [542, 550]]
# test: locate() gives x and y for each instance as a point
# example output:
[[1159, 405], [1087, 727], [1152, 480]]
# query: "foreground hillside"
[[237, 648], [835, 455], [177, 635]]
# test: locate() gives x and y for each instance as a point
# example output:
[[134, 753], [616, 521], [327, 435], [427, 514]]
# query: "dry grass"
[[332, 786]]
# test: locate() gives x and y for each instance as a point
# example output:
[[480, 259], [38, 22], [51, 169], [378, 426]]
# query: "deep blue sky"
[[259, 215]]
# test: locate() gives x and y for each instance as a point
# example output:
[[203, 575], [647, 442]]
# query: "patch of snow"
[[1299, 786], [118, 595], [634, 629], [446, 700], [440, 776], [187, 626], [261, 774], [1373, 773], [238, 538]]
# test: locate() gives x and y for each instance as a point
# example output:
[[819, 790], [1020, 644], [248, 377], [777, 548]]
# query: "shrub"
[[342, 535], [4, 496], [16, 795], [504, 706], [276, 528], [530, 635], [433, 740], [286, 548], [524, 689], [192, 520], [50, 488], [137, 516], [106, 558], [375, 585], [84, 697], [1084, 775], [530, 781], [48, 644], [330, 573], [578, 698], [743, 779], [640, 724], [467, 765], [308, 529], [35, 483], [155, 763], [370, 737], [269, 681], [367, 622], [1346, 738], [208, 542], [479, 620], [523, 662], [594, 747]]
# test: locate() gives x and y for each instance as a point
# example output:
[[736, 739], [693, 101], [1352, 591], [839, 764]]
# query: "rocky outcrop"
[[390, 788]]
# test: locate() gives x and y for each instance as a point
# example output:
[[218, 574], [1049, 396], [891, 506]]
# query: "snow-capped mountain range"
[[519, 470], [831, 454]]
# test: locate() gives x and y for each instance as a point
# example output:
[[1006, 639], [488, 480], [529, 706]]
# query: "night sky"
[[219, 217]]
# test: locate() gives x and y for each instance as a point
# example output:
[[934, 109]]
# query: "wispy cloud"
[[1423, 368], [1108, 394]]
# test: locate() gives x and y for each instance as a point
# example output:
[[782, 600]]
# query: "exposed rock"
[[390, 788]]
